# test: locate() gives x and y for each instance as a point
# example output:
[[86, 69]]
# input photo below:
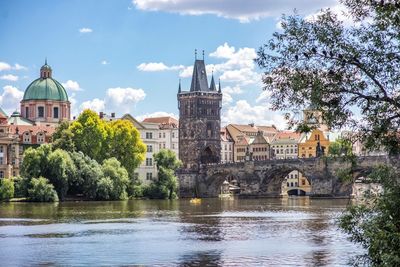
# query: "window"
[[26, 137], [149, 148], [55, 112], [295, 184], [26, 112], [40, 138], [303, 182], [163, 135], [149, 135], [1, 155], [159, 145], [173, 134], [41, 112], [159, 135], [173, 145], [1, 174], [163, 145], [149, 176], [287, 184], [149, 162]]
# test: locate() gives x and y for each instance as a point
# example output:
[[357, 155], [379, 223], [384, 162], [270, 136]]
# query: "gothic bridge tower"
[[199, 120]]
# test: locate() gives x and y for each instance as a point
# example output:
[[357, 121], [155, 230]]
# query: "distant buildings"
[[45, 103]]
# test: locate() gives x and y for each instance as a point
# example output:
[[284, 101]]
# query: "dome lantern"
[[45, 71]]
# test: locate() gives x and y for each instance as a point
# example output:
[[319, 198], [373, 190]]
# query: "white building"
[[156, 133], [285, 145], [226, 146]]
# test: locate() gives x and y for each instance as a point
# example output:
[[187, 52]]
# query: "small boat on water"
[[195, 201]]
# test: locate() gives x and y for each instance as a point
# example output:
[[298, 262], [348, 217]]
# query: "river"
[[218, 232]]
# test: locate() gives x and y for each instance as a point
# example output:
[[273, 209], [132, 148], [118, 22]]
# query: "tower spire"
[[219, 85], [195, 54], [179, 89], [212, 84], [45, 61], [203, 54]]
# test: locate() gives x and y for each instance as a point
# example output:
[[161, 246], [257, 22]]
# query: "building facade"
[[156, 133], [199, 120], [285, 145], [226, 146], [313, 144], [9, 149]]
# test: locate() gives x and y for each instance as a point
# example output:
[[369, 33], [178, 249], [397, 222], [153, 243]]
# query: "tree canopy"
[[347, 70], [100, 140]]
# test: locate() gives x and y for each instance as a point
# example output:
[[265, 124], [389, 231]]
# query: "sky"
[[127, 56]]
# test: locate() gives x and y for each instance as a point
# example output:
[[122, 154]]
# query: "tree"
[[346, 70], [35, 161], [126, 145], [88, 134], [6, 189], [342, 70], [167, 184], [101, 140], [340, 148], [59, 170], [88, 173], [40, 190], [114, 183]]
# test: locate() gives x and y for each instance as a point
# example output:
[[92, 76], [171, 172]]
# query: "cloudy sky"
[[127, 56]]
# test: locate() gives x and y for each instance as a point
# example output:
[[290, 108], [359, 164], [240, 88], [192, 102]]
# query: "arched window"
[[40, 138], [26, 138], [55, 113]]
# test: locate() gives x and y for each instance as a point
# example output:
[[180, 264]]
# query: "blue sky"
[[127, 56]]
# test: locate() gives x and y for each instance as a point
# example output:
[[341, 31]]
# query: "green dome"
[[45, 89]]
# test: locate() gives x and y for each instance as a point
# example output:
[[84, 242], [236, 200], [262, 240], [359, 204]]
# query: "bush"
[[21, 186], [40, 190], [105, 188], [135, 190], [6, 189]]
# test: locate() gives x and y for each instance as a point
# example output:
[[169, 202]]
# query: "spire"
[[219, 86], [195, 54], [212, 85], [203, 54], [45, 61], [199, 77], [179, 89]]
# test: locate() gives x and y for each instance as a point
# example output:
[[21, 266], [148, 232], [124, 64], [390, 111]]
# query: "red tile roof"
[[34, 129]]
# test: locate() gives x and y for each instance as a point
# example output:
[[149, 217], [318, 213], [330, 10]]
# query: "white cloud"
[[9, 77], [186, 72], [19, 67], [240, 10], [85, 30], [123, 99], [4, 66], [104, 62], [72, 85], [223, 51], [95, 104], [157, 66], [10, 98], [243, 113], [156, 114]]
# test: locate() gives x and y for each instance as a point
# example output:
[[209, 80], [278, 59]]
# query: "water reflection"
[[218, 232]]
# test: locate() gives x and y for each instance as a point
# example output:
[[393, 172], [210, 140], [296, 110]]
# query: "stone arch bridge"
[[264, 178]]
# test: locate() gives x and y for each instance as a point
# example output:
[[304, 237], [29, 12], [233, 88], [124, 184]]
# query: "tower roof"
[[199, 77], [212, 85]]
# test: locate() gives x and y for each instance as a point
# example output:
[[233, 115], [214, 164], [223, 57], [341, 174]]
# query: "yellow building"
[[295, 183], [313, 142]]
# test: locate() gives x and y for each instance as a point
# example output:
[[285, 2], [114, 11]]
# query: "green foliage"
[[101, 140], [125, 145], [21, 186], [340, 68], [167, 184], [376, 225], [135, 190], [340, 148], [60, 168], [105, 189], [6, 189], [113, 185], [35, 161], [88, 173], [40, 190], [88, 134]]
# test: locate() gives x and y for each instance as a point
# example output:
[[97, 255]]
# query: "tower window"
[[55, 112], [26, 112], [40, 112]]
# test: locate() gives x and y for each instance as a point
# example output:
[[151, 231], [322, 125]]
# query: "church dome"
[[45, 87]]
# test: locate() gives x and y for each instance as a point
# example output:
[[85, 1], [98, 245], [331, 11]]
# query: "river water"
[[218, 232]]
